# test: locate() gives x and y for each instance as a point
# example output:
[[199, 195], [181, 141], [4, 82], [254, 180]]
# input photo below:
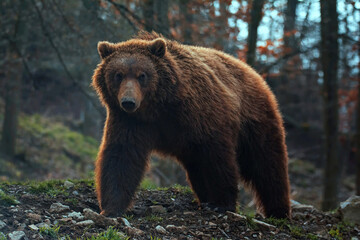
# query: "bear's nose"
[[128, 104]]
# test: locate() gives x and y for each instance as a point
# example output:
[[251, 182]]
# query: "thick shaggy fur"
[[214, 113]]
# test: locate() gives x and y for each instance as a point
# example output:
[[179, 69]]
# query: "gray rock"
[[212, 225], [16, 235], [264, 225], [189, 213], [76, 215], [134, 231], [125, 222], [68, 184], [33, 227], [156, 209], [85, 223], [173, 228], [42, 225], [2, 224], [160, 229], [99, 219], [34, 216], [58, 207], [298, 206], [350, 209]]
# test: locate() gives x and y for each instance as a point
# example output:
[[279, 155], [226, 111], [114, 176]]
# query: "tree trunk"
[[162, 23], [186, 19], [329, 58], [12, 99], [256, 15], [358, 132], [148, 13], [290, 43]]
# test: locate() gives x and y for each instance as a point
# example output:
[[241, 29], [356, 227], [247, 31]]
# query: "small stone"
[[42, 225], [189, 213], [173, 228], [298, 206], [160, 229], [33, 227], [236, 217], [264, 225], [65, 220], [17, 235], [76, 215], [68, 184], [85, 223], [125, 222], [99, 219], [14, 210], [299, 215], [212, 225], [33, 216], [2, 224], [133, 231], [21, 227], [156, 209], [58, 207]]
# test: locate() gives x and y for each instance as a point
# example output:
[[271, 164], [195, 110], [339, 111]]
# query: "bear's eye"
[[142, 77], [118, 77]]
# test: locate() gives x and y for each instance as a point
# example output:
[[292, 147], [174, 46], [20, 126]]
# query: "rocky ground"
[[68, 210]]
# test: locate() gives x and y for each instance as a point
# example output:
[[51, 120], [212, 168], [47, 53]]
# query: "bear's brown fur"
[[212, 112]]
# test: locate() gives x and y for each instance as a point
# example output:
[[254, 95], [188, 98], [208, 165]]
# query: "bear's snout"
[[130, 95], [128, 104]]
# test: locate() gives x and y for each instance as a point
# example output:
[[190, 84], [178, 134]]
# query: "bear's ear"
[[158, 47], [105, 49]]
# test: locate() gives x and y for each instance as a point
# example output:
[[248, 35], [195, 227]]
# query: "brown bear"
[[210, 111]]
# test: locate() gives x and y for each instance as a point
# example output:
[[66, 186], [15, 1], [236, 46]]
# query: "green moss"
[[296, 231], [73, 201], [78, 182], [278, 222], [153, 218], [110, 234], [148, 184], [7, 200], [311, 236], [50, 188], [251, 224], [42, 139], [72, 141], [2, 236], [341, 229], [183, 189], [52, 232], [129, 217]]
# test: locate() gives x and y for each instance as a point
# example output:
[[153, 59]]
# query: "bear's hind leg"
[[262, 158], [213, 174]]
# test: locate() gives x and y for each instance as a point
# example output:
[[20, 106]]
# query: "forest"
[[51, 119]]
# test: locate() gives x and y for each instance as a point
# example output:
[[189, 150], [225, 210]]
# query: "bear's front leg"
[[119, 169]]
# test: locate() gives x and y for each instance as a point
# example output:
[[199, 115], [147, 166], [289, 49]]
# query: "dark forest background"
[[308, 52]]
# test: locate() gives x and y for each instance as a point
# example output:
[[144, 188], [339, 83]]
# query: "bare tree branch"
[[61, 60], [286, 57], [124, 11]]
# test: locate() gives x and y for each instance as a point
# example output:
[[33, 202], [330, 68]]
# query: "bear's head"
[[131, 72]]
